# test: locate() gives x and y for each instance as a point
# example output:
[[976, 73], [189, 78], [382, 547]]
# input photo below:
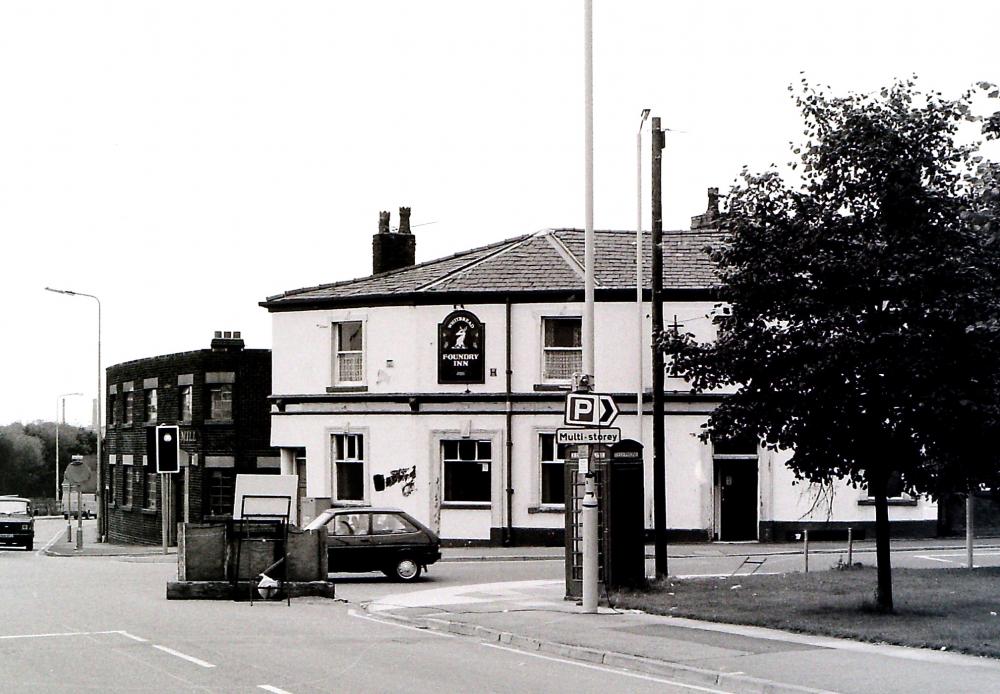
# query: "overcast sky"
[[185, 160]]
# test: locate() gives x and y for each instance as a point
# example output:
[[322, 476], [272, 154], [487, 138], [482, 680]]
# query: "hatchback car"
[[378, 539], [17, 525]]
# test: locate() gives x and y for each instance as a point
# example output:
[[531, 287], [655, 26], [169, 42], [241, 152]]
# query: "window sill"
[[347, 389], [217, 422], [148, 511], [892, 502], [551, 387], [548, 508], [478, 505], [125, 507], [349, 503]]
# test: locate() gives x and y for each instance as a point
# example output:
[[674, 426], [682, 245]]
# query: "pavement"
[[534, 617]]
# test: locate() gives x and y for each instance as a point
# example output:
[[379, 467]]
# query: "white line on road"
[[358, 615], [189, 658], [274, 690], [44, 636], [928, 558], [55, 538], [133, 636], [625, 673]]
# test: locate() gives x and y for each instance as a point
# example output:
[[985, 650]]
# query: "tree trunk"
[[883, 593]]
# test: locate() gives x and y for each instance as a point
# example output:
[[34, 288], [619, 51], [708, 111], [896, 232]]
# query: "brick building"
[[218, 397]]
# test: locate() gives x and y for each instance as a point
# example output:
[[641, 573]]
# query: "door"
[[736, 487], [304, 516], [349, 541]]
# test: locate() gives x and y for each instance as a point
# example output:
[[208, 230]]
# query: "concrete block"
[[201, 552]]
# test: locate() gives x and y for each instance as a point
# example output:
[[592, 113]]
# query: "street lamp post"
[[59, 419], [100, 412]]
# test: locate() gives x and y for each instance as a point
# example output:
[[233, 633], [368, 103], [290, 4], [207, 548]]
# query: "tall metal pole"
[[970, 533], [638, 274], [99, 497], [589, 503], [58, 421], [57, 444], [656, 268]]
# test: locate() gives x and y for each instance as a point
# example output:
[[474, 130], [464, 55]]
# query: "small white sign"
[[588, 435]]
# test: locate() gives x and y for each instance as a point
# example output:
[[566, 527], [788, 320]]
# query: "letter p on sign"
[[581, 409]]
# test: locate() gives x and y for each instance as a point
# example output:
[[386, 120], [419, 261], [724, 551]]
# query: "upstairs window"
[[151, 405], [349, 457], [129, 407], [184, 403], [562, 350], [221, 402], [113, 410], [348, 360]]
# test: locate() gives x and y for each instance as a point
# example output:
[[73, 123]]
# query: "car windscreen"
[[10, 506]]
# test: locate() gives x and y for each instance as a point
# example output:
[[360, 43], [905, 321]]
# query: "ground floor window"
[[553, 463], [221, 486], [112, 489], [349, 461], [149, 491], [127, 491], [466, 464]]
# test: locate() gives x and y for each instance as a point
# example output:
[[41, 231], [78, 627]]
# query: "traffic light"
[[168, 449]]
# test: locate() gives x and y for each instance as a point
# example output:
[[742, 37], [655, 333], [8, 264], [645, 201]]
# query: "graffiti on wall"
[[405, 476]]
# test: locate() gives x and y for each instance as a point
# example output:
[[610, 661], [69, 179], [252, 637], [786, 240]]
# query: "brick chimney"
[[392, 250], [227, 341], [711, 218]]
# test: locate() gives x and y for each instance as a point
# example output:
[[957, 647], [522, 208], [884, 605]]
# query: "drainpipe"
[[509, 530]]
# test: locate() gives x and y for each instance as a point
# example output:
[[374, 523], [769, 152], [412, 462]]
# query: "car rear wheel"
[[406, 569]]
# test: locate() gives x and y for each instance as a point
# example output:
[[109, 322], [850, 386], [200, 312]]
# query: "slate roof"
[[551, 260]]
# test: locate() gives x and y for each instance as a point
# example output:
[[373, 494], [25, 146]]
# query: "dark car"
[[17, 525], [378, 539]]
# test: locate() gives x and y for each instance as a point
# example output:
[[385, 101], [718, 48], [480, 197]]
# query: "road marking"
[[929, 558], [625, 673], [133, 636], [274, 690], [189, 658], [55, 538], [356, 614], [44, 636]]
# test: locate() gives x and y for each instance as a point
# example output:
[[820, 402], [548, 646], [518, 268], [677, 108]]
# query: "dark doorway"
[[736, 487]]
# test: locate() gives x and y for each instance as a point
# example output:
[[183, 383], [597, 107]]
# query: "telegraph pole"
[[656, 268]]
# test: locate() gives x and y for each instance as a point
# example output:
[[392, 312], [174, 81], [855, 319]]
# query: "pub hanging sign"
[[461, 348]]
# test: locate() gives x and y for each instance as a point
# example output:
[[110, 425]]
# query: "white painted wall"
[[401, 345], [401, 357]]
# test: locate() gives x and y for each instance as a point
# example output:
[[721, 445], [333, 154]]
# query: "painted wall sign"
[[461, 348]]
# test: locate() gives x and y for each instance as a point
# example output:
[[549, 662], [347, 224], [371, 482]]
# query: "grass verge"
[[943, 609]]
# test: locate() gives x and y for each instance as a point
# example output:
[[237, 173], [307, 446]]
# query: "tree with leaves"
[[860, 324]]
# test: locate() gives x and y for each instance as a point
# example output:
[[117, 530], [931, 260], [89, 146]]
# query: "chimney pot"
[[393, 251]]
